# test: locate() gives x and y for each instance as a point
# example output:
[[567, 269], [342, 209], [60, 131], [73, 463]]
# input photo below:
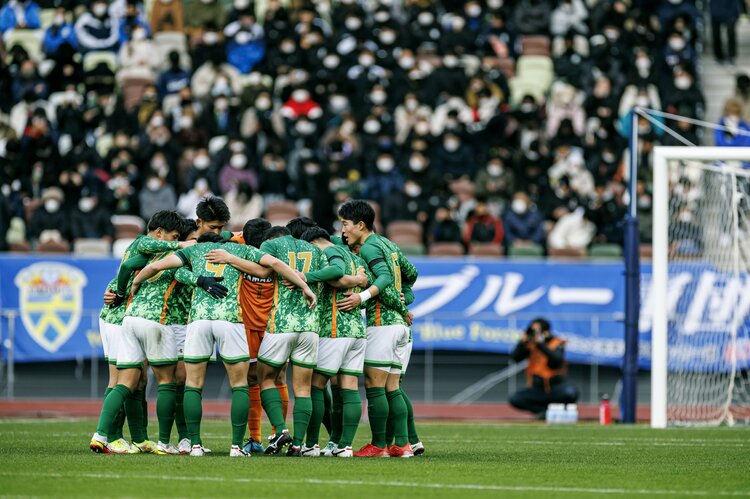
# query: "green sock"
[[165, 402], [318, 408], [336, 413], [107, 392], [134, 412], [144, 408], [117, 425], [398, 413], [111, 408], [377, 411], [270, 398], [240, 408], [193, 414], [303, 408], [389, 429], [326, 410], [179, 413], [410, 424], [352, 412]]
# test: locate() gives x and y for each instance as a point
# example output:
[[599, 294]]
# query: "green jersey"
[[335, 323], [156, 299], [144, 246], [203, 306], [391, 269], [289, 311]]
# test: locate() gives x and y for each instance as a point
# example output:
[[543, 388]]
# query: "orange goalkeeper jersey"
[[256, 297]]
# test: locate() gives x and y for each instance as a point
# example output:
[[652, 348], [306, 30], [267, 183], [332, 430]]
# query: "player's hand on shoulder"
[[351, 301], [362, 278], [212, 287], [218, 256], [109, 297], [409, 318], [186, 244]]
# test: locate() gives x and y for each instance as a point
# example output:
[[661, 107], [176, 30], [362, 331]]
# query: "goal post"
[[694, 366]]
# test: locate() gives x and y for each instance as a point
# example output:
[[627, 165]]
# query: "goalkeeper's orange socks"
[[254, 414]]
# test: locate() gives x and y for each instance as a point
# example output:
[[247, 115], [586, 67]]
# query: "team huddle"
[[264, 298]]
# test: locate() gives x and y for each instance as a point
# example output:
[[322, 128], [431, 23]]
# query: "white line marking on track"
[[373, 483]]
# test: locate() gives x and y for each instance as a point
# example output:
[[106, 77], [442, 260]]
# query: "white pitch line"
[[416, 485]]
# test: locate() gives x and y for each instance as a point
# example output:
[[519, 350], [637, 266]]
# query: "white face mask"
[[153, 184], [241, 4], [353, 23], [643, 64], [411, 104], [682, 82], [416, 164], [378, 96], [412, 190], [371, 126], [210, 38], [366, 60], [201, 162], [238, 161], [422, 128], [425, 18], [518, 206], [473, 10], [59, 20], [331, 61], [221, 105], [139, 34], [387, 37], [186, 122], [385, 165], [305, 127], [86, 204], [406, 62], [450, 61], [382, 16], [339, 103], [300, 95], [676, 44], [494, 4], [52, 205], [494, 170], [157, 121], [451, 145], [201, 185], [99, 9], [262, 103], [642, 101]]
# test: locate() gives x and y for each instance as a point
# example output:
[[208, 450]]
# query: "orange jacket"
[[539, 365], [256, 297]]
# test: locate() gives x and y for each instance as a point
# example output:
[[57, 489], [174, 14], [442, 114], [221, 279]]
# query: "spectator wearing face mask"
[[49, 219], [737, 133], [91, 220], [28, 84], [236, 169], [457, 36], [384, 178], [244, 203], [59, 32], [454, 159], [188, 202], [173, 79], [407, 114], [245, 43], [167, 15], [157, 195], [139, 56], [495, 182], [407, 204], [96, 30], [679, 52], [444, 229], [220, 118], [200, 167], [131, 21], [523, 224], [500, 38], [451, 77], [569, 15], [482, 227], [683, 96], [20, 14]]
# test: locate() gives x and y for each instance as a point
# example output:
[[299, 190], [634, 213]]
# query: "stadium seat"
[[128, 226], [605, 251], [507, 66], [281, 210], [120, 245], [535, 45], [53, 247], [19, 247], [167, 41], [404, 231], [570, 253], [412, 249], [91, 247], [486, 249], [446, 249], [534, 251], [92, 59], [29, 39]]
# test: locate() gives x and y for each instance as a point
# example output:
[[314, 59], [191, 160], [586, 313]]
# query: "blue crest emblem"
[[51, 299]]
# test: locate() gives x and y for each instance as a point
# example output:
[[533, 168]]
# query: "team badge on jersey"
[[51, 299]]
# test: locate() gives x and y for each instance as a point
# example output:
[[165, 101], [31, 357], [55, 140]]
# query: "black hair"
[[314, 233], [188, 225], [277, 231], [543, 323], [297, 226], [211, 237], [255, 230], [357, 211], [165, 219], [212, 208]]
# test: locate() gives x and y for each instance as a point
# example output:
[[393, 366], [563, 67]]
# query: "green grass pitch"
[[51, 458]]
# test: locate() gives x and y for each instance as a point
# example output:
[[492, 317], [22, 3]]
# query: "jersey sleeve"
[[378, 265], [148, 245], [392, 299], [335, 270], [409, 272], [270, 247], [186, 255], [408, 294], [250, 254], [186, 277], [127, 269]]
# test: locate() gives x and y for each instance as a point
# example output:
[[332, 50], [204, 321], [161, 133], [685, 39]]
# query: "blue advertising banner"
[[52, 305]]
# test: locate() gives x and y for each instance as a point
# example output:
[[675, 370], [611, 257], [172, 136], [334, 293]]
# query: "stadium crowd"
[[495, 125]]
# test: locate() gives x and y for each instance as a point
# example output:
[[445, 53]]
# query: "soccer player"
[[256, 298], [387, 329], [218, 322], [163, 232], [341, 347]]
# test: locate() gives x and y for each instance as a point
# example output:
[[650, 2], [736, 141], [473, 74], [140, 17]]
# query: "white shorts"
[[279, 348], [405, 359], [111, 334], [386, 347], [341, 356], [143, 339], [179, 331], [203, 337]]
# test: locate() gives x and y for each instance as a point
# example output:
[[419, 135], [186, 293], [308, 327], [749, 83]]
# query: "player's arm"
[[334, 271], [290, 275], [408, 294], [377, 263], [409, 272], [391, 298], [126, 271], [220, 256], [153, 268], [351, 281], [150, 246]]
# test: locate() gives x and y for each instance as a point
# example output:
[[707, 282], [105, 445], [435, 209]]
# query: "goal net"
[[700, 287]]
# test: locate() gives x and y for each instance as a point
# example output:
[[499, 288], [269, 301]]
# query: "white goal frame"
[[660, 263]]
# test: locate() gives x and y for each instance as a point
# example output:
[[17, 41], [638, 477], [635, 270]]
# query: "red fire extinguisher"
[[605, 411]]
